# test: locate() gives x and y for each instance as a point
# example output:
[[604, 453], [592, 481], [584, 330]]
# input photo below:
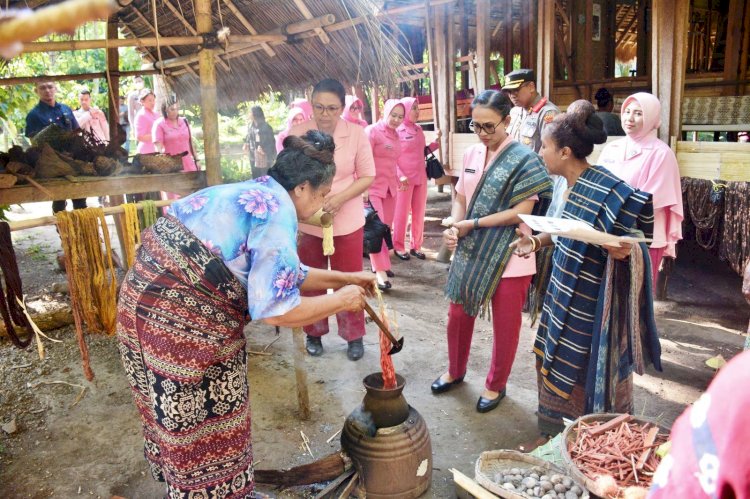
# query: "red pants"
[[346, 258], [656, 255], [507, 303], [414, 200], [385, 207]]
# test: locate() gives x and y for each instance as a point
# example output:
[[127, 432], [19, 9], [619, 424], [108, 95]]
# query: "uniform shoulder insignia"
[[549, 117]]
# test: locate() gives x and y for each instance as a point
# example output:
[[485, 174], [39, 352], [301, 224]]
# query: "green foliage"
[[17, 101], [274, 108], [233, 170], [4, 208]]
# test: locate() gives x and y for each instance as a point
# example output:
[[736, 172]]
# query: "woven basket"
[[570, 434], [490, 462], [160, 163]]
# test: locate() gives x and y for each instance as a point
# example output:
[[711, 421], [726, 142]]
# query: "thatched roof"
[[353, 53]]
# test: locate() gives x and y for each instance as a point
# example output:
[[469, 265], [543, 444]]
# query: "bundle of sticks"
[[620, 448]]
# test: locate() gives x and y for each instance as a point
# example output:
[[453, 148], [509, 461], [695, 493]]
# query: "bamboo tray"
[[490, 462], [570, 434]]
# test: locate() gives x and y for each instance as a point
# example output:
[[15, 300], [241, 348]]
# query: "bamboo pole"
[[483, 44], [249, 27], [51, 220], [24, 80], [209, 113], [171, 49], [303, 398], [308, 15]]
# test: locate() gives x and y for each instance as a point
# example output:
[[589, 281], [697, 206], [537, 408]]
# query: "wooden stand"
[[303, 399]]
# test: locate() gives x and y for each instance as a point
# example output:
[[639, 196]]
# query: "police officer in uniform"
[[531, 113]]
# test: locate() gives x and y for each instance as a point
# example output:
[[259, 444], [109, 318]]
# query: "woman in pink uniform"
[[648, 164], [386, 148], [353, 110], [299, 111], [500, 179], [144, 122], [171, 135], [355, 170], [412, 191]]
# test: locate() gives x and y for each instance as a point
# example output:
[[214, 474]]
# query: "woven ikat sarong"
[[180, 321]]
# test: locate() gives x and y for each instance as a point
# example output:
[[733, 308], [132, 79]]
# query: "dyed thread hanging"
[[328, 248], [9, 308], [149, 213], [131, 232]]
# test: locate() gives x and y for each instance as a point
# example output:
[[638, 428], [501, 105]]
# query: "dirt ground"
[[54, 443]]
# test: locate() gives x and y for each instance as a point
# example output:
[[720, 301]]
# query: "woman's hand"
[[464, 227], [365, 280], [621, 252], [523, 245], [403, 184], [351, 298], [450, 237], [333, 203]]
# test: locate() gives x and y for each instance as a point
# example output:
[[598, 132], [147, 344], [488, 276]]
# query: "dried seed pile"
[[620, 448], [536, 482]]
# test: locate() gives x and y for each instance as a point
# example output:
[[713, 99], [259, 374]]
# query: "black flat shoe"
[[439, 386], [389, 273], [486, 405], [417, 254], [402, 256], [355, 349], [314, 346]]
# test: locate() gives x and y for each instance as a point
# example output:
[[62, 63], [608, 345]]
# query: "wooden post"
[[443, 61], [669, 41], [375, 104], [209, 114], [451, 68], [733, 44], [745, 46], [508, 31], [589, 32], [483, 45], [433, 66], [303, 398], [546, 29], [464, 42], [642, 41]]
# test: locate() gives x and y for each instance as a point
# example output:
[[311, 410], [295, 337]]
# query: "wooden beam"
[[209, 112], [451, 66], [27, 80], [587, 45], [85, 187], [643, 55], [153, 30], [249, 27], [428, 22], [669, 42], [308, 15], [628, 27], [113, 80], [508, 46], [190, 28], [733, 43], [744, 49], [104, 44], [545, 41], [444, 61], [464, 41], [483, 45]]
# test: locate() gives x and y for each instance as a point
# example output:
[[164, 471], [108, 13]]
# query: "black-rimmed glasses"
[[488, 128]]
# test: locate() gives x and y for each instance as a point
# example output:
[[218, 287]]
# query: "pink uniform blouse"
[[386, 149], [175, 140], [468, 180], [144, 124], [353, 157], [411, 162]]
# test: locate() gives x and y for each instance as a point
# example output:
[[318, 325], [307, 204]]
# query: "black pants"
[[59, 205]]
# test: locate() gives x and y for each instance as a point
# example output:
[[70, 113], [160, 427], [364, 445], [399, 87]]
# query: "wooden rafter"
[[190, 28], [153, 30], [308, 15], [249, 27], [626, 33]]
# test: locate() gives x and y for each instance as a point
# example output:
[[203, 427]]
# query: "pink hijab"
[[293, 112], [408, 103], [305, 106], [350, 100], [651, 115], [387, 108]]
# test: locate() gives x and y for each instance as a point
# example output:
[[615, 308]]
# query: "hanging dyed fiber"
[[328, 248], [149, 213], [704, 200], [735, 245], [131, 232], [92, 273], [9, 308]]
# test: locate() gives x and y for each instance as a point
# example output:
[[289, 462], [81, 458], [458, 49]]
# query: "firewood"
[[323, 469], [612, 423]]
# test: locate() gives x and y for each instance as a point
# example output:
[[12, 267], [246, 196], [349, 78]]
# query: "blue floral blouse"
[[252, 227]]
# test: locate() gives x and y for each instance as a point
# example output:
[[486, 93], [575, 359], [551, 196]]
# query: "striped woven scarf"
[[563, 340], [516, 174]]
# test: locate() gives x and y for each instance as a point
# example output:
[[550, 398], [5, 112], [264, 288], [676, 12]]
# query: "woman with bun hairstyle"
[[648, 164], [500, 180], [386, 148], [586, 346], [222, 253], [355, 170], [412, 191]]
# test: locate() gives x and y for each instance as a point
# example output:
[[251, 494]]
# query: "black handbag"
[[432, 165], [374, 231]]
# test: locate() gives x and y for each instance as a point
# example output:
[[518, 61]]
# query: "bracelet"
[[537, 243], [476, 223], [533, 244]]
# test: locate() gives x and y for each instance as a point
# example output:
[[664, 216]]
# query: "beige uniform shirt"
[[526, 125]]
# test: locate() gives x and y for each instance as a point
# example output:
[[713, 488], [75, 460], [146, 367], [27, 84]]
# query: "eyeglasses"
[[516, 90], [329, 109], [356, 108], [488, 128]]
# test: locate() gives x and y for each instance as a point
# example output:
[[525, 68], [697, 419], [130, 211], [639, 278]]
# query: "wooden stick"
[[471, 486], [648, 443], [334, 484], [326, 468], [50, 220], [350, 486], [303, 399], [612, 423]]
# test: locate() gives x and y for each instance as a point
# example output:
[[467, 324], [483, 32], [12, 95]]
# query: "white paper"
[[577, 230]]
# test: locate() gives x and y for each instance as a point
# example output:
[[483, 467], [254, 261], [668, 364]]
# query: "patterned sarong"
[[180, 326], [515, 175], [564, 337]]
